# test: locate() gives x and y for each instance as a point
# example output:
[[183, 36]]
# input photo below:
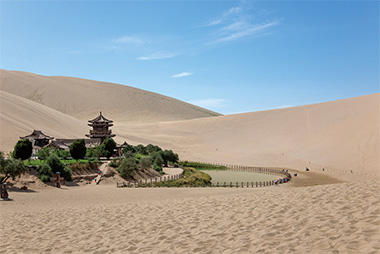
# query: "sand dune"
[[19, 116], [337, 136], [84, 99], [337, 217]]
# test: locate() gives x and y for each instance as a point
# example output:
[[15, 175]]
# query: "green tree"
[[146, 162], [169, 156], [141, 149], [44, 153], [55, 164], [157, 165], [63, 153], [127, 168], [109, 146], [129, 149], [11, 168], [152, 148], [23, 149], [45, 170], [78, 149]]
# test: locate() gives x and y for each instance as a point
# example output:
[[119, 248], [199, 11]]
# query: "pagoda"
[[38, 139], [100, 127]]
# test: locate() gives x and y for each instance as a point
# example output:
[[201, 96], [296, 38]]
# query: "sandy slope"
[[19, 116], [338, 136], [84, 99]]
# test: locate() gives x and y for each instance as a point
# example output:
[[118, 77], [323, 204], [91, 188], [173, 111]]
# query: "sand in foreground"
[[336, 218]]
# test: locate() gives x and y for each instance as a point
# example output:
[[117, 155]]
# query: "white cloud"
[[157, 55], [209, 103], [129, 39], [182, 74], [245, 32], [236, 23]]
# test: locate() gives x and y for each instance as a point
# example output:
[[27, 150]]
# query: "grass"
[[67, 162], [191, 177], [201, 166]]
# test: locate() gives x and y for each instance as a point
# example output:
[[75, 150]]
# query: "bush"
[[44, 153], [141, 149], [115, 162], [45, 170], [45, 178], [157, 167], [55, 163], [67, 174], [127, 168], [146, 162]]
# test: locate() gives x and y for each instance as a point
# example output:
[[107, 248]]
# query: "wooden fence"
[[284, 177], [149, 182]]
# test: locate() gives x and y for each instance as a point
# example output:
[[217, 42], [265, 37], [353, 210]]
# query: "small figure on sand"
[[4, 192], [307, 169]]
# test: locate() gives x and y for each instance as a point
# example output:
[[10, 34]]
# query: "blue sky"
[[227, 56]]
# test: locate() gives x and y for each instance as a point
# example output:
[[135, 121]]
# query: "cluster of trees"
[[143, 157], [53, 165], [78, 149]]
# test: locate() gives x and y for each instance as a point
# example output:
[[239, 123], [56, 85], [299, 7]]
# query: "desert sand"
[[334, 208], [335, 218]]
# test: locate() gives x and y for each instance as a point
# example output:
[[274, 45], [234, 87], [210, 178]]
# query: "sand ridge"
[[84, 99]]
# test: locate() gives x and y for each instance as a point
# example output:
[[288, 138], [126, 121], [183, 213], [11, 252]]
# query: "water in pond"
[[228, 176]]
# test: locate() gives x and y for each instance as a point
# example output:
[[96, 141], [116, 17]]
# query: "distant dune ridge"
[[84, 99], [337, 136]]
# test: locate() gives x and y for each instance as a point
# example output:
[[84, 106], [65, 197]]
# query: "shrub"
[[141, 149], [127, 168], [129, 149], [146, 162], [44, 153], [157, 167], [55, 163], [45, 170], [115, 162], [67, 174], [45, 178]]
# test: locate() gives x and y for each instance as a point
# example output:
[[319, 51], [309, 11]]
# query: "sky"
[[227, 56]]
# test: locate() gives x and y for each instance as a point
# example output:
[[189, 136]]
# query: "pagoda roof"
[[37, 134], [100, 119]]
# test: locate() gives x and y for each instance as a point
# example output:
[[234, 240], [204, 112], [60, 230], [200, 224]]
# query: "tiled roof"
[[100, 119]]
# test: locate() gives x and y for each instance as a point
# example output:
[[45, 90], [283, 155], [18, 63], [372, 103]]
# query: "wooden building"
[[38, 140], [100, 128]]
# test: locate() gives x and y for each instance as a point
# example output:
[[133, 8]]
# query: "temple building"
[[100, 128], [100, 131], [38, 140]]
